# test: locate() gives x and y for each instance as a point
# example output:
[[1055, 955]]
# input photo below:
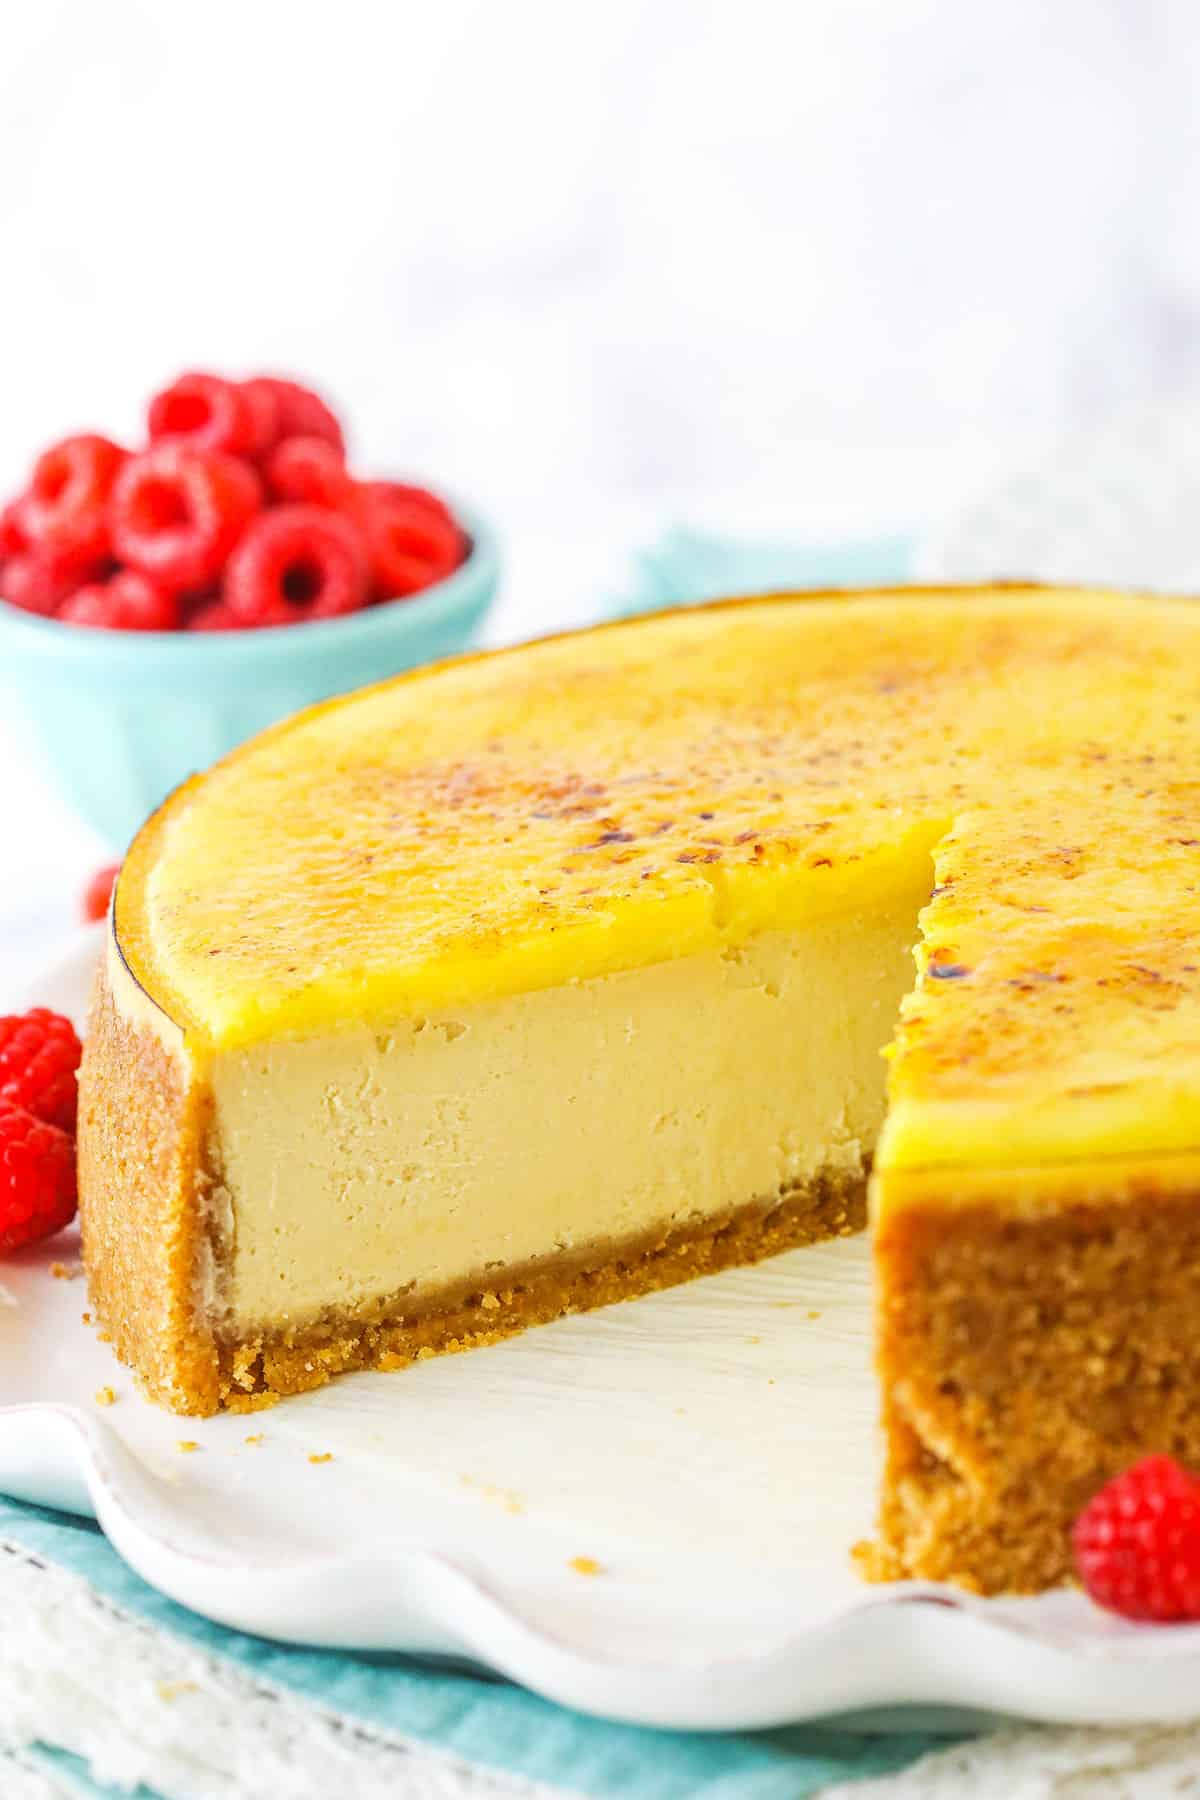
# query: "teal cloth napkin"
[[686, 565], [486, 1722]]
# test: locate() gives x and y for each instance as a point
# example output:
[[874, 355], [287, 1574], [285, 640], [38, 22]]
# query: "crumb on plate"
[[508, 1498], [171, 1690]]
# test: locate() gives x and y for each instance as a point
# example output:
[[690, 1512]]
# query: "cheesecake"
[[545, 978]]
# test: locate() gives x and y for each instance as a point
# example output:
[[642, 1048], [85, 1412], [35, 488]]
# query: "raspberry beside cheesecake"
[[545, 978]]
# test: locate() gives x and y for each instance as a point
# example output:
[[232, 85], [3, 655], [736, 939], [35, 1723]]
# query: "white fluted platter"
[[644, 1512]]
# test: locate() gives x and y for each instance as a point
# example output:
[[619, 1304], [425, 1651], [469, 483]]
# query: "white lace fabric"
[[138, 1705], [1148, 1762]]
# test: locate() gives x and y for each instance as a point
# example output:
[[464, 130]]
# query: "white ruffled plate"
[[709, 1452]]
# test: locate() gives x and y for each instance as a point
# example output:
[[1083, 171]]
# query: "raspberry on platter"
[[39, 1059], [37, 1178], [1137, 1542]]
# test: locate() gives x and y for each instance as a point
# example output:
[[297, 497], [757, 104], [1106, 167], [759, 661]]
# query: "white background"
[[816, 266]]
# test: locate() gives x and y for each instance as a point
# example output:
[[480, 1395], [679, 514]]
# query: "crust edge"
[[141, 1184]]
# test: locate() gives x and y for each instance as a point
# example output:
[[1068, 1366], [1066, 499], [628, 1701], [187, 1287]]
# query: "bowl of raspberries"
[[160, 604]]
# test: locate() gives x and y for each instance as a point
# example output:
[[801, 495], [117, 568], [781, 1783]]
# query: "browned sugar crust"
[[1024, 1362], [143, 1190]]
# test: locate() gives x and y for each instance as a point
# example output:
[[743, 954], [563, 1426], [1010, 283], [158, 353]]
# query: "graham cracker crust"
[[391, 1334], [142, 1206], [1024, 1362]]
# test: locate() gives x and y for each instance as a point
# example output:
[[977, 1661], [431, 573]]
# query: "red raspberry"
[[370, 491], [214, 615], [65, 510], [303, 561], [300, 412], [14, 540], [308, 469], [410, 543], [37, 1178], [1137, 1542], [39, 1055], [41, 580], [208, 413], [98, 892], [128, 602], [262, 404], [177, 512]]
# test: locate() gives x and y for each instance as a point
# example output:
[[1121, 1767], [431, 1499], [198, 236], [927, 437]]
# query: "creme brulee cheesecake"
[[545, 978]]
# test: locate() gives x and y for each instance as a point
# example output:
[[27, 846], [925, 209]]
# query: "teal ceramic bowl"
[[122, 717]]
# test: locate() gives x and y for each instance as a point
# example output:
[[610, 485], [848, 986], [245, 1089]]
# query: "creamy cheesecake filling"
[[591, 1114]]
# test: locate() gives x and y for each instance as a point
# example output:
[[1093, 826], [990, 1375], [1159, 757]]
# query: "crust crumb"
[[322, 1456], [585, 1565], [256, 1437], [62, 1271], [105, 1396], [185, 1446], [248, 1403], [171, 1690], [508, 1498]]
